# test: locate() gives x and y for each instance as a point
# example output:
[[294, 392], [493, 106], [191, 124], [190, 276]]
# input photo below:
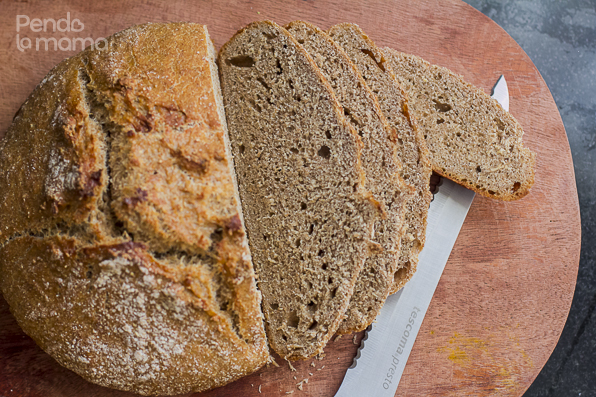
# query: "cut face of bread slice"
[[381, 165], [301, 184], [377, 73], [471, 138], [135, 230]]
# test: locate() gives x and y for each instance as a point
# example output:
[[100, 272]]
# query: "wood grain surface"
[[504, 296]]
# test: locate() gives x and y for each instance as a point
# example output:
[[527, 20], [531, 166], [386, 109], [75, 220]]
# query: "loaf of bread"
[[123, 253], [381, 165], [377, 73], [302, 187], [471, 138]]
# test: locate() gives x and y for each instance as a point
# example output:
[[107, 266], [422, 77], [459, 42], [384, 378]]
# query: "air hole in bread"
[[298, 242], [442, 107], [301, 41], [321, 253], [312, 307], [303, 206], [492, 193], [293, 320], [311, 228], [263, 83], [330, 280], [500, 125], [274, 306], [294, 150], [324, 152], [478, 169], [516, 187], [313, 325], [241, 149], [269, 36], [380, 64], [328, 134], [348, 113], [255, 106], [439, 121], [241, 61], [217, 235], [324, 267], [284, 337], [280, 69], [333, 292]]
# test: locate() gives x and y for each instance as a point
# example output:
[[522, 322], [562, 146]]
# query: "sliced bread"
[[302, 187], [382, 167], [416, 171], [471, 138]]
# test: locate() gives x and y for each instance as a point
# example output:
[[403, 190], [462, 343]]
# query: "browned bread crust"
[[123, 253], [471, 138]]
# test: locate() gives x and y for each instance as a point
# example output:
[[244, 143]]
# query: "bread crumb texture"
[[471, 138], [382, 167], [123, 253], [302, 186], [412, 151]]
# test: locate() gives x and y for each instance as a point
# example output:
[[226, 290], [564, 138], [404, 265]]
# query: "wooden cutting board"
[[503, 299]]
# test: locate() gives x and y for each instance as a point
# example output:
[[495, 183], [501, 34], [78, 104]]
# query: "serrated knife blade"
[[386, 346]]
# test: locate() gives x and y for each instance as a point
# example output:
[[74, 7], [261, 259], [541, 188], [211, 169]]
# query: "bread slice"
[[308, 215], [471, 138], [381, 165], [373, 66], [132, 268]]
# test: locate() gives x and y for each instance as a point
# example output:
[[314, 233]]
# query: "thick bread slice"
[[371, 63], [307, 213], [132, 268], [382, 167], [471, 138]]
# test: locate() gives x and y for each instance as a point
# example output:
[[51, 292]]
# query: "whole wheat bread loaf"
[[308, 215], [377, 73], [122, 251], [471, 138], [381, 165]]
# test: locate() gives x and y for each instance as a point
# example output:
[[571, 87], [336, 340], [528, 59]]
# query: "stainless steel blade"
[[501, 93], [386, 346], [383, 355]]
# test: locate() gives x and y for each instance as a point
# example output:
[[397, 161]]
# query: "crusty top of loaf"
[[471, 138], [122, 194]]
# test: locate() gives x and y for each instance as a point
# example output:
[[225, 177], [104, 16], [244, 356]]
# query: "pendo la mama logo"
[[51, 27]]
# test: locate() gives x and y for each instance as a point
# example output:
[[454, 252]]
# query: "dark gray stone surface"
[[560, 38]]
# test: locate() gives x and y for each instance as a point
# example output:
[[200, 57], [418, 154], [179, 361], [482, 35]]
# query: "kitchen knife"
[[387, 343]]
